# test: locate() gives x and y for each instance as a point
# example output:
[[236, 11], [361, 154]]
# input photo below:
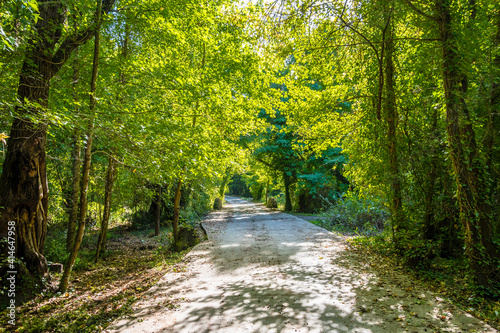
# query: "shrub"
[[142, 220], [357, 215], [271, 203], [217, 203]]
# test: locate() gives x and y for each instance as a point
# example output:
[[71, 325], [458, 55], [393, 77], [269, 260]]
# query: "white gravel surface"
[[266, 271]]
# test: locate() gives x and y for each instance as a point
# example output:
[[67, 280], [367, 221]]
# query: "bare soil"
[[266, 271]]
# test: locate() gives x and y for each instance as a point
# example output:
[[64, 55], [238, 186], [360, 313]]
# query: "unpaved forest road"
[[266, 271]]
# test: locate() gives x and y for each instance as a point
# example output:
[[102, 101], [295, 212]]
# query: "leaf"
[[3, 136]]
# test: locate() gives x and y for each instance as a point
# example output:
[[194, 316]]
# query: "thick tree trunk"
[[86, 164], [429, 227], [23, 183], [110, 180], [468, 169], [491, 144]]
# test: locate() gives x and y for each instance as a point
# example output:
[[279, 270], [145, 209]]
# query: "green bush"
[[142, 220], [217, 203], [272, 203], [358, 215]]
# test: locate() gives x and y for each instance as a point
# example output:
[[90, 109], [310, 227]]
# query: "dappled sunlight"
[[277, 273], [229, 245]]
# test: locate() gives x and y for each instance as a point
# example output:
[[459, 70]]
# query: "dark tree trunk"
[[288, 200], [469, 172], [491, 144], [23, 183], [175, 222], [392, 123], [429, 227], [158, 210], [110, 180]]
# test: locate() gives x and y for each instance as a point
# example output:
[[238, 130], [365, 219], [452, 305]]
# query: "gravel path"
[[266, 271]]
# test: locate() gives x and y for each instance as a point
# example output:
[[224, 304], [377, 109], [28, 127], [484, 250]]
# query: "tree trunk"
[[75, 181], [225, 181], [86, 164], [175, 222], [23, 183], [288, 200], [158, 211], [493, 124], [429, 227], [468, 169], [392, 123], [110, 180], [267, 191]]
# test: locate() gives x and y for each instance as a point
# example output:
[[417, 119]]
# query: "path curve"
[[266, 271]]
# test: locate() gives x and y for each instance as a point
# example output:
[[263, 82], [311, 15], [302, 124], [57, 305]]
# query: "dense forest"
[[382, 116]]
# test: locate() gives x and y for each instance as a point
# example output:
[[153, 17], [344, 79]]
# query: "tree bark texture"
[[288, 200], [470, 176], [23, 183]]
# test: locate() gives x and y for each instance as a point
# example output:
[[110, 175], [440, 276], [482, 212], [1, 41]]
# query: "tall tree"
[[63, 285], [471, 178], [23, 183]]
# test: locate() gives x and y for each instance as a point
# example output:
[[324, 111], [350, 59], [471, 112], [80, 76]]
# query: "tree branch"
[[78, 38]]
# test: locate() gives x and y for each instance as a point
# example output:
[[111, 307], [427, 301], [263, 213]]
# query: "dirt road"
[[266, 271]]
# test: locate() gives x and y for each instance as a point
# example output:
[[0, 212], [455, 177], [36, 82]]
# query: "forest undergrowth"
[[362, 224], [100, 292]]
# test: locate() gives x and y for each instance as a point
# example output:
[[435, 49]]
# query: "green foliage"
[[356, 215], [217, 204], [239, 187], [271, 203]]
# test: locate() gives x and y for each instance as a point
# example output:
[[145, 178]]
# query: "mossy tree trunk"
[[470, 175]]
